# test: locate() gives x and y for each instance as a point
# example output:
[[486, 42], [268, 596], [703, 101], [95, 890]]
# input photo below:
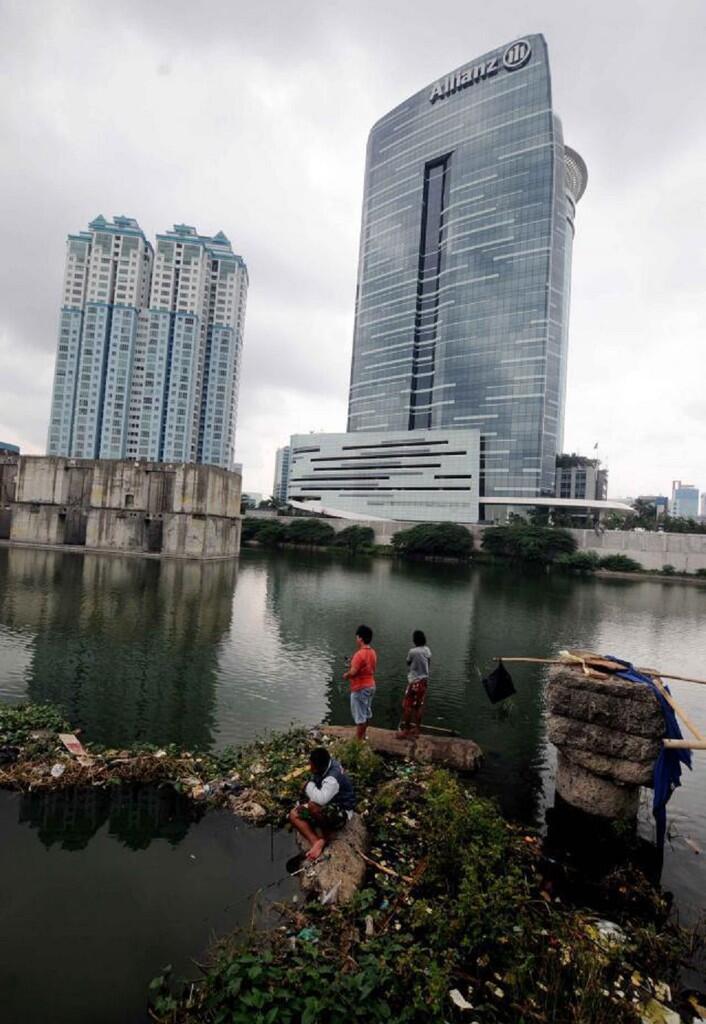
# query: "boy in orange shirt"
[[361, 674]]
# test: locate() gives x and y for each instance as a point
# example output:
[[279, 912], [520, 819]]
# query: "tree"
[[441, 540], [527, 542], [309, 531], [355, 539]]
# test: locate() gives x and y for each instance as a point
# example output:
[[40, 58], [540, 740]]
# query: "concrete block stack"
[[608, 733]]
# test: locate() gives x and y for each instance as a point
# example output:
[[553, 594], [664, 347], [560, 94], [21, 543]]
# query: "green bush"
[[309, 531], [441, 540], [668, 570], [251, 527], [528, 543], [271, 533], [356, 539], [620, 563], [701, 573], [580, 561]]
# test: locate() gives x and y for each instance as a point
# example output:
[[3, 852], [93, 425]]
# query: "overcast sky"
[[252, 118]]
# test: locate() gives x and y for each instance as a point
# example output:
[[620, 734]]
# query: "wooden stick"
[[682, 679], [381, 867], [677, 710], [562, 661], [684, 744]]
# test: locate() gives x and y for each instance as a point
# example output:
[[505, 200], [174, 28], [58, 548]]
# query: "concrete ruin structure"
[[608, 733], [182, 510]]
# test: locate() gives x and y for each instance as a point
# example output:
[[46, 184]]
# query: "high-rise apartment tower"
[[149, 348], [462, 301]]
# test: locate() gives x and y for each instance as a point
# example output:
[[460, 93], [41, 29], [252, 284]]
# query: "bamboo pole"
[[677, 710], [684, 744], [563, 661]]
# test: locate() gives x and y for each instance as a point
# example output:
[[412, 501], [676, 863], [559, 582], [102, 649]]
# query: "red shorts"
[[415, 695]]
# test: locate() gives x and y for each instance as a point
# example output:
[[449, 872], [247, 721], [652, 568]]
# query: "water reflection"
[[135, 815], [127, 646]]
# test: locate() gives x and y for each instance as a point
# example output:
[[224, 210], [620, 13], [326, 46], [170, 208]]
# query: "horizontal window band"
[[382, 455], [391, 444], [386, 489]]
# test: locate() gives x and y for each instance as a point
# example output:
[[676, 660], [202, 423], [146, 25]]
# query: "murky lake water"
[[208, 655]]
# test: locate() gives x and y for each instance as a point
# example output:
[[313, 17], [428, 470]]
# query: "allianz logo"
[[516, 55]]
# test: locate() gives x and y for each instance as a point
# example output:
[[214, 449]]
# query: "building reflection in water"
[[136, 815], [128, 647]]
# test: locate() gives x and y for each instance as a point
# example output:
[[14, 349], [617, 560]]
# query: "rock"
[[597, 739], [451, 751], [631, 773], [338, 874], [635, 711], [593, 794], [609, 734]]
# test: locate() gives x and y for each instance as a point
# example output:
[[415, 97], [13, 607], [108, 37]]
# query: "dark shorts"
[[332, 817], [415, 695]]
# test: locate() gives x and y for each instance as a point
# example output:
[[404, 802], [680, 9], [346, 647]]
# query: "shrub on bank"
[[579, 561], [620, 563], [528, 543], [309, 531], [437, 540], [668, 570], [356, 540]]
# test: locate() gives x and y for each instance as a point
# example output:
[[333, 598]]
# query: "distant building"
[[660, 502], [282, 467], [413, 475], [8, 449], [685, 500], [148, 356], [703, 505], [580, 477], [462, 302], [252, 498]]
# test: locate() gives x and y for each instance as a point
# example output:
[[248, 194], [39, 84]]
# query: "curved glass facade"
[[464, 268]]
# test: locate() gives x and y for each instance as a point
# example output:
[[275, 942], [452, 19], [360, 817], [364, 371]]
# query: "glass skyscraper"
[[464, 271], [148, 359]]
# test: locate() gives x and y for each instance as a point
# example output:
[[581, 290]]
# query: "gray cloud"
[[253, 118]]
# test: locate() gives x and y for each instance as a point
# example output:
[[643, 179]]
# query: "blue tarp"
[[667, 770]]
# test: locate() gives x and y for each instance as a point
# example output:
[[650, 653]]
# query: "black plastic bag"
[[499, 685]]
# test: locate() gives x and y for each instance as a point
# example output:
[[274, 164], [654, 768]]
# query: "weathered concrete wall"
[[37, 524], [187, 511], [207, 490], [113, 481], [192, 536], [110, 530], [42, 479], [685, 551]]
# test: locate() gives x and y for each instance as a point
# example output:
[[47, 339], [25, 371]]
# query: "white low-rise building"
[[408, 475]]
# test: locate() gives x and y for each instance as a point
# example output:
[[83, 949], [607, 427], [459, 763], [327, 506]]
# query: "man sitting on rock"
[[328, 802]]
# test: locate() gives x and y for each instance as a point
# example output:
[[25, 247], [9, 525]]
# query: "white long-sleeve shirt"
[[323, 794]]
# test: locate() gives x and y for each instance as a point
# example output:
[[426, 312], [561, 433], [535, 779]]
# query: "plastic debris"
[[369, 926], [57, 770], [654, 1012], [330, 896], [309, 934], [459, 1000], [72, 744]]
